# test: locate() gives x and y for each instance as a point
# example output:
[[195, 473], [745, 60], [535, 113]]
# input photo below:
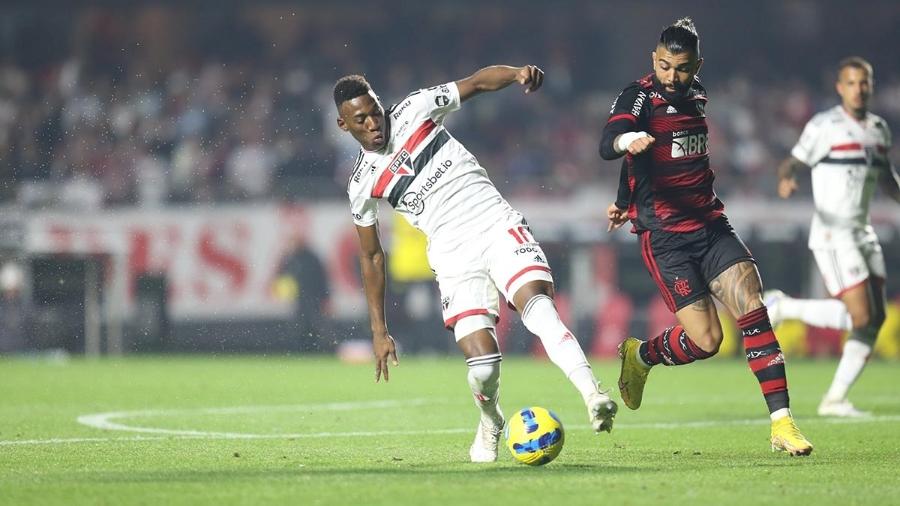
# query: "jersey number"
[[521, 234]]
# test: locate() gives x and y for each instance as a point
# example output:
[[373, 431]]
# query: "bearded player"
[[845, 148], [477, 243], [666, 190]]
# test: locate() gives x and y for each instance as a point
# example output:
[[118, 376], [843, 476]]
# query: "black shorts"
[[684, 263]]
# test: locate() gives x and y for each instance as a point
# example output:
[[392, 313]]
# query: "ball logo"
[[682, 287]]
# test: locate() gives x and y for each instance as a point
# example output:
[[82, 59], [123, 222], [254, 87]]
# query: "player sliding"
[[477, 243], [666, 190], [846, 147]]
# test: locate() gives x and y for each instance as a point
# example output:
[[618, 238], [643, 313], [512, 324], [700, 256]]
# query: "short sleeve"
[[812, 146], [440, 100], [364, 210]]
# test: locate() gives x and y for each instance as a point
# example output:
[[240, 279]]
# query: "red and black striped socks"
[[765, 357], [672, 347]]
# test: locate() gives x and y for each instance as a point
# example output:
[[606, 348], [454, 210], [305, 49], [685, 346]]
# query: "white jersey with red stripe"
[[847, 156], [424, 173]]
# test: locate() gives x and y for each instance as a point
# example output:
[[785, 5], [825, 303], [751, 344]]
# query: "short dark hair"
[[680, 37], [350, 87], [857, 63]]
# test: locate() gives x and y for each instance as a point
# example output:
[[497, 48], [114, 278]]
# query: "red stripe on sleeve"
[[847, 147], [617, 117]]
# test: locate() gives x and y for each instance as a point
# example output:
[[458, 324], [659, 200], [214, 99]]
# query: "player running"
[[477, 243], [666, 190], [846, 147]]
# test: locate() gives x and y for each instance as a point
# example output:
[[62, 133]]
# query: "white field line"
[[101, 421], [104, 421]]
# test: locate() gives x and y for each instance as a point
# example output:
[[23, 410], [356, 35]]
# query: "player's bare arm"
[[890, 183], [371, 262], [739, 288], [497, 77], [787, 176]]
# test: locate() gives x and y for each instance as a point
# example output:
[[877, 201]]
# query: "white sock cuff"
[[537, 299], [489, 359], [857, 348]]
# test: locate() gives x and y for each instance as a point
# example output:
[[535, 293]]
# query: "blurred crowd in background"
[[148, 104]]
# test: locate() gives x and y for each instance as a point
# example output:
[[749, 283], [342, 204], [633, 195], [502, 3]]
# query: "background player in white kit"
[[477, 243], [846, 147]]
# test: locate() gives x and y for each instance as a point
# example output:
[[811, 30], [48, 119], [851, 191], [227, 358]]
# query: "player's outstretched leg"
[[825, 313], [541, 318], [672, 347], [767, 363]]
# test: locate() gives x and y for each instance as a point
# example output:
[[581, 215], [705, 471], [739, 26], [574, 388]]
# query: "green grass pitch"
[[288, 430]]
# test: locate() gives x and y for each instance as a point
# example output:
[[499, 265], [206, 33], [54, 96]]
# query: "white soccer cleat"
[[487, 440], [602, 411], [841, 408], [772, 299]]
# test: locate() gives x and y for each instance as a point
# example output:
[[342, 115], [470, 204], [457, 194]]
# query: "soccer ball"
[[535, 436]]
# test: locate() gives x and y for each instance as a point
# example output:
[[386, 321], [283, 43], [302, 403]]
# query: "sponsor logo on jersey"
[[689, 145], [399, 110], [638, 103], [415, 201], [357, 174], [526, 249], [445, 303], [441, 100], [539, 259]]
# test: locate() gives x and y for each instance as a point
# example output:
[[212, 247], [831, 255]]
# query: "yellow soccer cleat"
[[786, 437], [634, 373]]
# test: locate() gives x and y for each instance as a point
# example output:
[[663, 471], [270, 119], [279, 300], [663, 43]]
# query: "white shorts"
[[471, 273], [848, 267]]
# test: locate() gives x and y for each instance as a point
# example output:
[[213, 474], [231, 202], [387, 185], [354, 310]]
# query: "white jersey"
[[424, 173], [847, 157]]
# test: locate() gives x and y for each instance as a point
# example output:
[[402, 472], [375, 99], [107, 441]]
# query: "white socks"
[[541, 319], [484, 379], [779, 413], [853, 360], [826, 313]]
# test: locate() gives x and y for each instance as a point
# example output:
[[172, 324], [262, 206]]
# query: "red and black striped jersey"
[[670, 186]]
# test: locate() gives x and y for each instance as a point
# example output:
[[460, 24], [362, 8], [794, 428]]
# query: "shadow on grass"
[[420, 472]]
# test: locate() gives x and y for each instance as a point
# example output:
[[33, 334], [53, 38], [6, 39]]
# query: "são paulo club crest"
[[682, 287]]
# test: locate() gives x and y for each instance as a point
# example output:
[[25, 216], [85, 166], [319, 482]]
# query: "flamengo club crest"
[[682, 287]]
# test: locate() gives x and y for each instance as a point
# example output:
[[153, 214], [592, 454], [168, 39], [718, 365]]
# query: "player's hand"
[[640, 145], [385, 349], [786, 187], [617, 217], [530, 76]]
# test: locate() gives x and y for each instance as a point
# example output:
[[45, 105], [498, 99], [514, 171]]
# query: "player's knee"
[[708, 340], [861, 317]]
